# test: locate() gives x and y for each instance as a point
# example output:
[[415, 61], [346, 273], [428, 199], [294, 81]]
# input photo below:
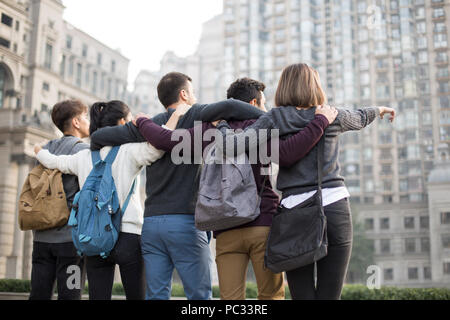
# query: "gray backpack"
[[227, 195]]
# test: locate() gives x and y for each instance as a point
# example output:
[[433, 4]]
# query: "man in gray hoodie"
[[53, 250]]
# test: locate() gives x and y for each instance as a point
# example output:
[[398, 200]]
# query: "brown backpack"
[[42, 203]]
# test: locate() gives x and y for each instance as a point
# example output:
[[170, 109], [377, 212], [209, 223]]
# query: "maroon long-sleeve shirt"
[[291, 151]]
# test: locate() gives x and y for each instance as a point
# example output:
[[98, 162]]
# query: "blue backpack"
[[96, 215]]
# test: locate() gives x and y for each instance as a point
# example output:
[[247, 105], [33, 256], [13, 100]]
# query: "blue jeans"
[[173, 241]]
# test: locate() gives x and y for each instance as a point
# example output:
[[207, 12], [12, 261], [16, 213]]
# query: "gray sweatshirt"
[[67, 145], [302, 176]]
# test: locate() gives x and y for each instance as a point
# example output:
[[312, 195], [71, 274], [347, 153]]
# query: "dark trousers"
[[52, 263], [331, 270], [100, 272]]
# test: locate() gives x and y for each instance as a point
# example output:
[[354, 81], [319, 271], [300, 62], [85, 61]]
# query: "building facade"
[[367, 52], [43, 60]]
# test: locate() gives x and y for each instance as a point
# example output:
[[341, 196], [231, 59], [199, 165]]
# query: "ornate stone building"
[[43, 60]]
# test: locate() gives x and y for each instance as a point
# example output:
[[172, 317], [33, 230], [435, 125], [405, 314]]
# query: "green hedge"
[[350, 292], [360, 292], [15, 286]]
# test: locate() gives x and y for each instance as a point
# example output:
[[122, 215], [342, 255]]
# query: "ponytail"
[[107, 114]]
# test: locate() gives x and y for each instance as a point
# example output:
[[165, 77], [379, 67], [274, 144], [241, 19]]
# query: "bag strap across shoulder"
[[95, 157], [320, 155], [109, 158], [127, 201], [112, 155]]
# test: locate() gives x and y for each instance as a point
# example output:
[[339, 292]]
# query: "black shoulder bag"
[[298, 236]]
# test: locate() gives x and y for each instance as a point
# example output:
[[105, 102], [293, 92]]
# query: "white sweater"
[[130, 160]]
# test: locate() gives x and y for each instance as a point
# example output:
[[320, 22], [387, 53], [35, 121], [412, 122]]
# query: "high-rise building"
[[43, 60], [367, 52]]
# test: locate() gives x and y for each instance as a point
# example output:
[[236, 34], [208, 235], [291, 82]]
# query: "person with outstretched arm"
[[298, 94]]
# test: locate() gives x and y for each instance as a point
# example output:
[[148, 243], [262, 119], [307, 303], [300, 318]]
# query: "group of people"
[[162, 237]]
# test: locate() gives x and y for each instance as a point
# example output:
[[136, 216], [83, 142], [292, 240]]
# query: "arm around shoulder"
[[65, 164]]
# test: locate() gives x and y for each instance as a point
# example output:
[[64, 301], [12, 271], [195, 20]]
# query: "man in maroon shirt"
[[236, 247]]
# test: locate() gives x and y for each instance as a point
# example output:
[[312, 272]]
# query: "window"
[[44, 107], [445, 217], [385, 246], [442, 72], [62, 67], [443, 87], [410, 245], [413, 273], [48, 56], [7, 20], [425, 245], [99, 59], [78, 77], [94, 83], [446, 241], [441, 57], [424, 222], [46, 86], [439, 27], [384, 223], [388, 274], [438, 13], [113, 66], [69, 42], [84, 51], [71, 66], [5, 43], [409, 222], [427, 273], [369, 224], [86, 75], [446, 267], [440, 40]]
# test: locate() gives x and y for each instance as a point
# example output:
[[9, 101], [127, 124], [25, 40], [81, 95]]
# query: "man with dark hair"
[[172, 86], [169, 237], [53, 250], [237, 246], [248, 90]]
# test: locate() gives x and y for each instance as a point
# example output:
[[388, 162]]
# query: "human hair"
[[170, 86], [246, 89], [107, 114], [300, 86], [63, 113]]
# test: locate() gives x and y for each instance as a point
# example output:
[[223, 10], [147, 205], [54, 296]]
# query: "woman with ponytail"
[[129, 162]]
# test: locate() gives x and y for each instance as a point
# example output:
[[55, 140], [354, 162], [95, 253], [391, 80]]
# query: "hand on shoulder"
[[329, 112]]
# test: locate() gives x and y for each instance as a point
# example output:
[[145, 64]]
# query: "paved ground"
[[24, 296]]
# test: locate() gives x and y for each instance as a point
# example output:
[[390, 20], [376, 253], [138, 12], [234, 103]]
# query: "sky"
[[143, 30]]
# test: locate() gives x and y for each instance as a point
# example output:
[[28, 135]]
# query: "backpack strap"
[[109, 158], [112, 155], [320, 155], [95, 157], [127, 201]]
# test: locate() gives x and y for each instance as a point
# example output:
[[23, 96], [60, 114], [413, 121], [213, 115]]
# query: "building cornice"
[[15, 6], [96, 40]]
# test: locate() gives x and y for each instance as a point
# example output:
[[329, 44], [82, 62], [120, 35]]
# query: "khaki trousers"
[[234, 250]]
